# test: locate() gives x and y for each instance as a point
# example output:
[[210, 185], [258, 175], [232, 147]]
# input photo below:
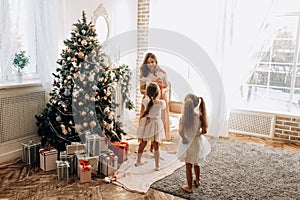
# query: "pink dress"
[[151, 127]]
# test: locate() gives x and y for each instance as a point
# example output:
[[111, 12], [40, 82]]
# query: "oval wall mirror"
[[101, 21]]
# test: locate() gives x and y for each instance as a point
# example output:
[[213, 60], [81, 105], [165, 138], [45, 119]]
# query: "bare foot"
[[138, 164], [197, 183], [157, 168], [187, 189]]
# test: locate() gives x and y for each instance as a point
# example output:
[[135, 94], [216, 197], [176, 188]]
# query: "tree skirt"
[[236, 170], [139, 179]]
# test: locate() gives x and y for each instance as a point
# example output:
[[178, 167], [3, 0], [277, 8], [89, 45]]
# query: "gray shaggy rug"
[[235, 170]]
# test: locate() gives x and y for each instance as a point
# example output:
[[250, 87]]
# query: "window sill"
[[265, 112], [25, 83]]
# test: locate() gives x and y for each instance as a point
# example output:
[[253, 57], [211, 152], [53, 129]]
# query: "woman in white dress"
[[193, 146], [151, 72], [151, 127]]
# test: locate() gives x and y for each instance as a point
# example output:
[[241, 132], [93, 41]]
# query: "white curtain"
[[246, 29], [46, 26], [8, 36], [50, 19]]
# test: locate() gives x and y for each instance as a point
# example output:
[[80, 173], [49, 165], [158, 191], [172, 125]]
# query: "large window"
[[18, 33], [274, 83], [26, 35]]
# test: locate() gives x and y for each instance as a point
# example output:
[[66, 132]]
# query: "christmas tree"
[[82, 97]]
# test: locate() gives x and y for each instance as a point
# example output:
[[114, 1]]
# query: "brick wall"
[[287, 128], [142, 43]]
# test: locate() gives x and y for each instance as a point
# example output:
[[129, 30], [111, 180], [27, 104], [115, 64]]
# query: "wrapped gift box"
[[108, 163], [30, 152], [103, 144], [93, 144], [85, 170], [48, 157], [121, 150], [82, 155], [75, 146], [62, 168], [70, 158]]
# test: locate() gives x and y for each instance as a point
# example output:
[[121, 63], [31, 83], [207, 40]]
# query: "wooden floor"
[[18, 181], [295, 147]]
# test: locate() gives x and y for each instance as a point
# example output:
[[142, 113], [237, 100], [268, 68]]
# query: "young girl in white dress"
[[193, 146], [151, 127]]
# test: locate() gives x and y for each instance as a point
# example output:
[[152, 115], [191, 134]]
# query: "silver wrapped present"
[[62, 168], [30, 152], [93, 144], [70, 158], [108, 163]]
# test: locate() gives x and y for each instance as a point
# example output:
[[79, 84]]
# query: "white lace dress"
[[151, 127], [197, 147]]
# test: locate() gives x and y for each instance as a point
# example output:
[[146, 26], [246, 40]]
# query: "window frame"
[[295, 64]]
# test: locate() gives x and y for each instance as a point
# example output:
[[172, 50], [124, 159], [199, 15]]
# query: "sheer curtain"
[[8, 36], [50, 19], [246, 28], [46, 24]]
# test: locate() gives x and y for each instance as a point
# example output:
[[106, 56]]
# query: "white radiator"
[[252, 123], [18, 107]]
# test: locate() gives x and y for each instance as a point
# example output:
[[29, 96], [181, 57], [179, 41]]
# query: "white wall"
[[122, 17], [196, 19], [122, 13]]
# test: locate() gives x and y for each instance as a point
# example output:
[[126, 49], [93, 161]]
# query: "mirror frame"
[[101, 12]]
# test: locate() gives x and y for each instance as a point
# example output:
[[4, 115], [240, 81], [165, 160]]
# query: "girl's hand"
[[164, 90], [184, 141], [203, 131]]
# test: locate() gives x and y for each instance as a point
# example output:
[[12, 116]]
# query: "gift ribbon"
[[85, 165], [49, 148], [122, 145], [121, 149]]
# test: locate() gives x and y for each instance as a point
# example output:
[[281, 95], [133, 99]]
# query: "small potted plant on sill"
[[20, 61]]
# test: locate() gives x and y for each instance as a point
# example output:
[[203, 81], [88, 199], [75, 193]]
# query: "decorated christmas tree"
[[84, 86]]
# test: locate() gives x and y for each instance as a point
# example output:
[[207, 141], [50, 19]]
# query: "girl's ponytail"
[[152, 91], [188, 114], [146, 112]]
